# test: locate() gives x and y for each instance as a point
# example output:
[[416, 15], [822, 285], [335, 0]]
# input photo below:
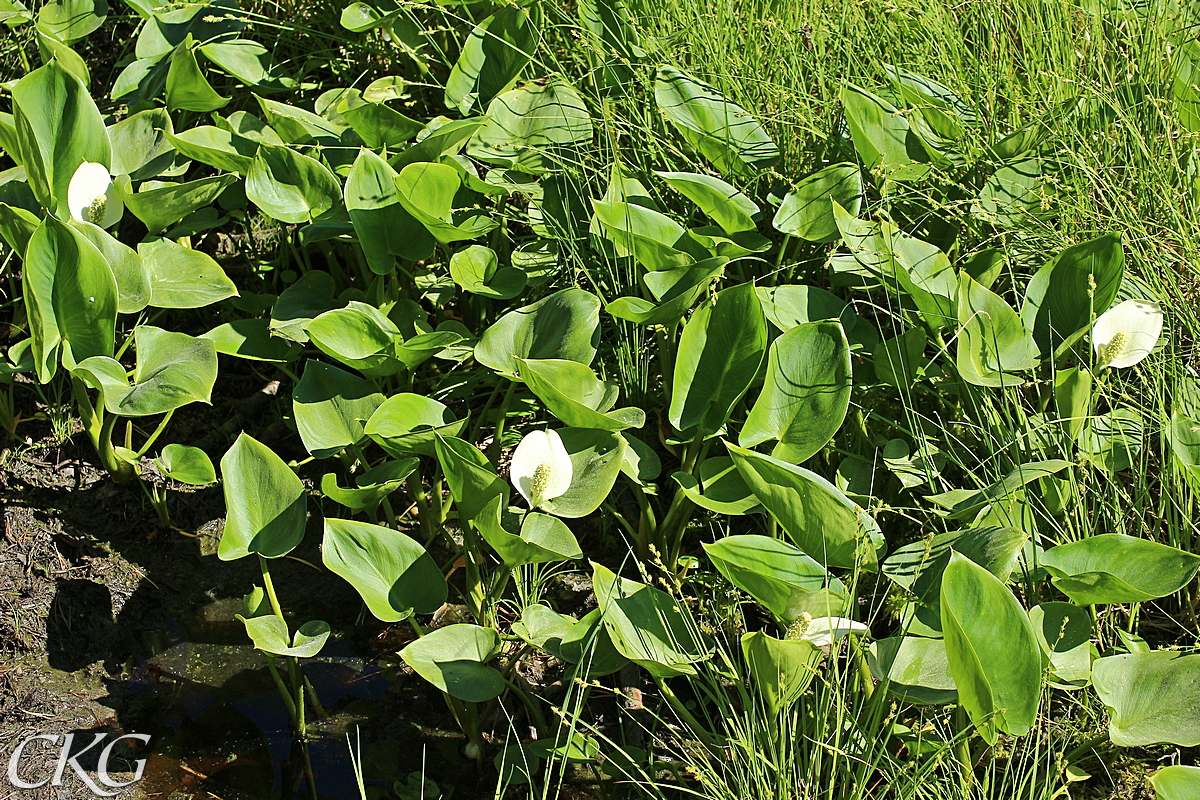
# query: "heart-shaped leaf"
[[408, 424], [291, 187], [564, 325], [330, 406], [720, 130], [1116, 568], [719, 354], [265, 502], [1152, 697], [543, 538], [806, 394], [454, 659], [779, 576], [993, 653], [181, 277], [394, 575], [187, 464], [270, 634], [647, 626], [814, 513]]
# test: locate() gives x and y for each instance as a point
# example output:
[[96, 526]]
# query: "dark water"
[[221, 731]]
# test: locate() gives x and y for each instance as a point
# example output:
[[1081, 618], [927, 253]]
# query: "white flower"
[[93, 197], [823, 631], [541, 467], [1126, 333]]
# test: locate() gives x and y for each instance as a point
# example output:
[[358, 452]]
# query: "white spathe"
[[824, 631], [93, 197], [541, 467], [1126, 333]]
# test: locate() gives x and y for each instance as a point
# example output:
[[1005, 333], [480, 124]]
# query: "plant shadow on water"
[[176, 664]]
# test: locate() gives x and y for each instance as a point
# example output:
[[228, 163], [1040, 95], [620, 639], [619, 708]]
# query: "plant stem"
[[963, 748], [701, 732]]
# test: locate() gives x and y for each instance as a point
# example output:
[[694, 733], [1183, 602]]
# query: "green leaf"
[[596, 457], [918, 567], [291, 187], [265, 502], [589, 644], [187, 88], [720, 351], [1014, 194], [676, 289], [993, 653], [1060, 303], [454, 659], [1064, 632], [904, 264], [70, 297], [782, 669], [301, 303], [370, 486], [427, 191], [653, 239], [238, 58], [173, 370], [572, 392], [477, 270], [71, 20], [181, 277], [359, 336], [718, 487], [806, 394], [132, 276], [394, 575], [533, 128], [441, 139], [722, 203], [330, 406], [778, 576], [187, 464], [270, 634], [1115, 568], [492, 58], [913, 668], [297, 126], [1151, 698], [471, 478], [814, 513], [408, 424], [807, 212], [994, 341], [883, 136], [58, 127], [647, 626], [963, 503], [720, 130], [384, 228], [543, 538], [1113, 441], [1073, 398], [216, 147], [162, 205], [1177, 782], [141, 146], [564, 325], [251, 339]]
